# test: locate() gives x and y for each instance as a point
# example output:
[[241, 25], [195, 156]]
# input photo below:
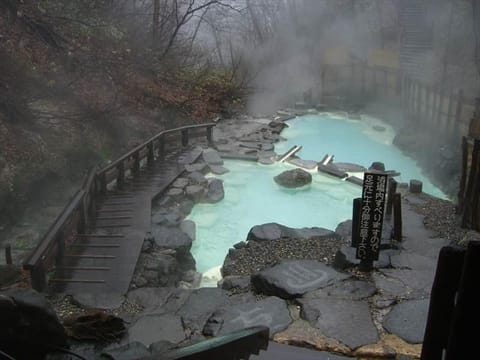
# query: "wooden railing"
[[446, 111], [80, 210]]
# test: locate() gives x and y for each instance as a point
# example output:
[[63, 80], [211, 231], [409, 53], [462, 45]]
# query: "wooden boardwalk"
[[103, 259]]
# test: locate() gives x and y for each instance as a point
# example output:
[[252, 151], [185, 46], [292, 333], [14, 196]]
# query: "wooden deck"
[[103, 259]]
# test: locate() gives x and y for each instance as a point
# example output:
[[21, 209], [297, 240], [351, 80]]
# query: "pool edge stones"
[[293, 278]]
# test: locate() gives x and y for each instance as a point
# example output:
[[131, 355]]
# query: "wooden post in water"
[[210, 135], [397, 217]]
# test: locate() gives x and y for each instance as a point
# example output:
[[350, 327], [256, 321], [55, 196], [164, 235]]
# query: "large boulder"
[[172, 238], [27, 316], [215, 191], [274, 231], [293, 178], [212, 157]]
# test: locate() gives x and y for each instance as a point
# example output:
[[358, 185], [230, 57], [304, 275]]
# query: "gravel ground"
[[258, 255], [441, 218]]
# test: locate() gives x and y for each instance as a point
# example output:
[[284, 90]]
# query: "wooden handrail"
[[40, 251], [82, 203]]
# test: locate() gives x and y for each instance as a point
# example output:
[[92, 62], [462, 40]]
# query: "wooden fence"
[[80, 210], [447, 112]]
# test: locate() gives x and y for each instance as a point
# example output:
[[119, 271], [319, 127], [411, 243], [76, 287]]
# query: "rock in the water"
[[274, 231], [197, 167], [172, 238], [212, 157], [294, 278], [197, 178], [348, 321], [408, 320], [195, 192], [271, 312], [265, 160], [293, 178], [189, 228], [215, 191], [180, 183], [379, 128], [26, 315], [218, 169]]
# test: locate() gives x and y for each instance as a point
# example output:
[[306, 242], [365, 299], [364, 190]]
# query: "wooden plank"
[[77, 281], [95, 245], [100, 235], [90, 256]]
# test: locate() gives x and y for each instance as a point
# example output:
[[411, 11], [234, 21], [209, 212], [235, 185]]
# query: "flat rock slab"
[[349, 167], [273, 231], [101, 301], [172, 238], [412, 261], [348, 321], [271, 312], [218, 169], [133, 350], [212, 157], [152, 328], [403, 284], [150, 298], [305, 164], [282, 351], [407, 320], [200, 305], [348, 289], [294, 278]]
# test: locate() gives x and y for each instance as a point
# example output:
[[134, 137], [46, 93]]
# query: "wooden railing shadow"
[[80, 210]]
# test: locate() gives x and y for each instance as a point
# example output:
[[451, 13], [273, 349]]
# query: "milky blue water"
[[252, 197]]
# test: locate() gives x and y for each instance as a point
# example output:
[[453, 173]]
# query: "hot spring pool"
[[253, 198]]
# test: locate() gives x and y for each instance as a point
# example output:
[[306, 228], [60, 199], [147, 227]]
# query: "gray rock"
[[172, 238], [345, 258], [273, 231], [271, 312], [197, 167], [379, 128], [154, 327], [215, 192], [348, 321], [180, 183], [233, 282], [200, 305], [150, 298], [266, 160], [161, 347], [212, 157], [349, 289], [344, 229], [218, 169], [266, 147], [408, 320], [403, 284], [412, 261], [189, 228], [294, 278], [195, 192], [102, 301], [133, 350], [174, 193], [293, 178], [197, 178], [26, 314]]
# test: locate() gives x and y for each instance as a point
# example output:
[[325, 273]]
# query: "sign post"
[[371, 218]]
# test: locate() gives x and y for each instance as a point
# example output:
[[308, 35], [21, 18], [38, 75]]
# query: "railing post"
[[120, 175], [8, 254], [103, 183], [60, 247], [184, 137], [210, 135], [357, 208], [38, 278], [458, 112], [151, 154], [161, 146], [136, 163]]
